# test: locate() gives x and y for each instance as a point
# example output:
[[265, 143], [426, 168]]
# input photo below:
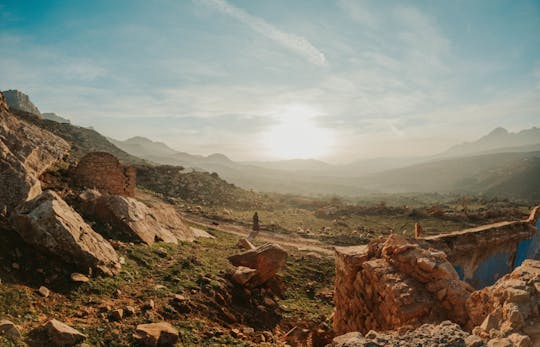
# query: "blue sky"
[[378, 78]]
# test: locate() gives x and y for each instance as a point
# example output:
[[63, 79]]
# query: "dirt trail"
[[297, 242]]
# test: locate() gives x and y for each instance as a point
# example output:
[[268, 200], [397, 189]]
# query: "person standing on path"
[[255, 227]]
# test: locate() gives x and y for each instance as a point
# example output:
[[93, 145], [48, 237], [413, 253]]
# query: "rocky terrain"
[[19, 101], [100, 247]]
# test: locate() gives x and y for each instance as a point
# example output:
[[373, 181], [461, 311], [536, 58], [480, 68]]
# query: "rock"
[[117, 314], [47, 222], [508, 306], [245, 244], [243, 275], [156, 334], [26, 152], [149, 305], [9, 329], [268, 260], [146, 223], [130, 311], [442, 335], [20, 101], [44, 291], [79, 278], [61, 334], [474, 341]]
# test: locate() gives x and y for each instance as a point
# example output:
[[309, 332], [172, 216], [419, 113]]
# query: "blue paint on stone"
[[460, 272], [491, 269]]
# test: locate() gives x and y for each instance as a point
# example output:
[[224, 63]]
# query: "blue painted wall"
[[499, 264]]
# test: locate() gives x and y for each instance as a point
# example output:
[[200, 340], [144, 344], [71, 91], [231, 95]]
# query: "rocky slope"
[[19, 101]]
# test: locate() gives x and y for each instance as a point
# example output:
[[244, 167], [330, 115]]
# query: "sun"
[[297, 135]]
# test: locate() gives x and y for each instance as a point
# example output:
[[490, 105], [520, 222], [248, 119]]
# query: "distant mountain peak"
[[219, 157], [20, 101], [498, 139], [498, 132]]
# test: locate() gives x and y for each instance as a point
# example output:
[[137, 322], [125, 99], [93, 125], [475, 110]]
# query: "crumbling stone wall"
[[486, 253], [103, 171], [395, 283]]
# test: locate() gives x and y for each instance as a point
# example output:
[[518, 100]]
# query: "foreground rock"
[[394, 283], [509, 309], [9, 329], [26, 151], [446, 334], [50, 224], [267, 260], [156, 334], [61, 334], [159, 222]]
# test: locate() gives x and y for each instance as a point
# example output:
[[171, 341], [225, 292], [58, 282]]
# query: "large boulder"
[[49, 223], [156, 334], [26, 151], [159, 222], [267, 259]]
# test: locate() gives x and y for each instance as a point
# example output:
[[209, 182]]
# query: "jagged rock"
[[445, 334], [117, 314], [49, 223], [156, 334], [9, 329], [26, 151], [268, 260], [509, 306], [394, 282], [244, 243], [159, 222], [61, 334], [20, 101]]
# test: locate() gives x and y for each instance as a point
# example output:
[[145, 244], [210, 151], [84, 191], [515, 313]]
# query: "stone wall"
[[103, 171], [395, 283], [484, 254]]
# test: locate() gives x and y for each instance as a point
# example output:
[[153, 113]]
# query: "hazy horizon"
[[266, 80]]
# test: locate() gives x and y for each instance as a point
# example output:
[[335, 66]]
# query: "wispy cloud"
[[298, 44]]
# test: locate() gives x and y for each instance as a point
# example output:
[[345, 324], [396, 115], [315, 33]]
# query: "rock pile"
[[508, 310], [395, 283], [446, 334]]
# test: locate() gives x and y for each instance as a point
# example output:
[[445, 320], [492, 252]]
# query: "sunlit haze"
[[356, 79]]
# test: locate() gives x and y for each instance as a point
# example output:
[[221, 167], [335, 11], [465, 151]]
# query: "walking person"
[[255, 227]]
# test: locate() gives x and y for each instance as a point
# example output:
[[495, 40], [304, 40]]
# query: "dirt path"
[[296, 242]]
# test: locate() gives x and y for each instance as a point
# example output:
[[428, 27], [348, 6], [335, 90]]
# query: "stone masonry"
[[103, 171]]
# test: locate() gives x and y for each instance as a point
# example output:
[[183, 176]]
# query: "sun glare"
[[297, 136]]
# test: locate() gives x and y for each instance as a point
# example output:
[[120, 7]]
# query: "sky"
[[277, 79]]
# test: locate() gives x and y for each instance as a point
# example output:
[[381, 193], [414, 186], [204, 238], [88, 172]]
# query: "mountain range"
[[500, 163]]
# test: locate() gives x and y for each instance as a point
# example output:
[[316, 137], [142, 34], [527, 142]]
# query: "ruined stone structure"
[[398, 283], [395, 283], [484, 254], [103, 171]]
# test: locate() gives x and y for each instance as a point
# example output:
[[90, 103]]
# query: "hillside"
[[82, 140], [470, 175]]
